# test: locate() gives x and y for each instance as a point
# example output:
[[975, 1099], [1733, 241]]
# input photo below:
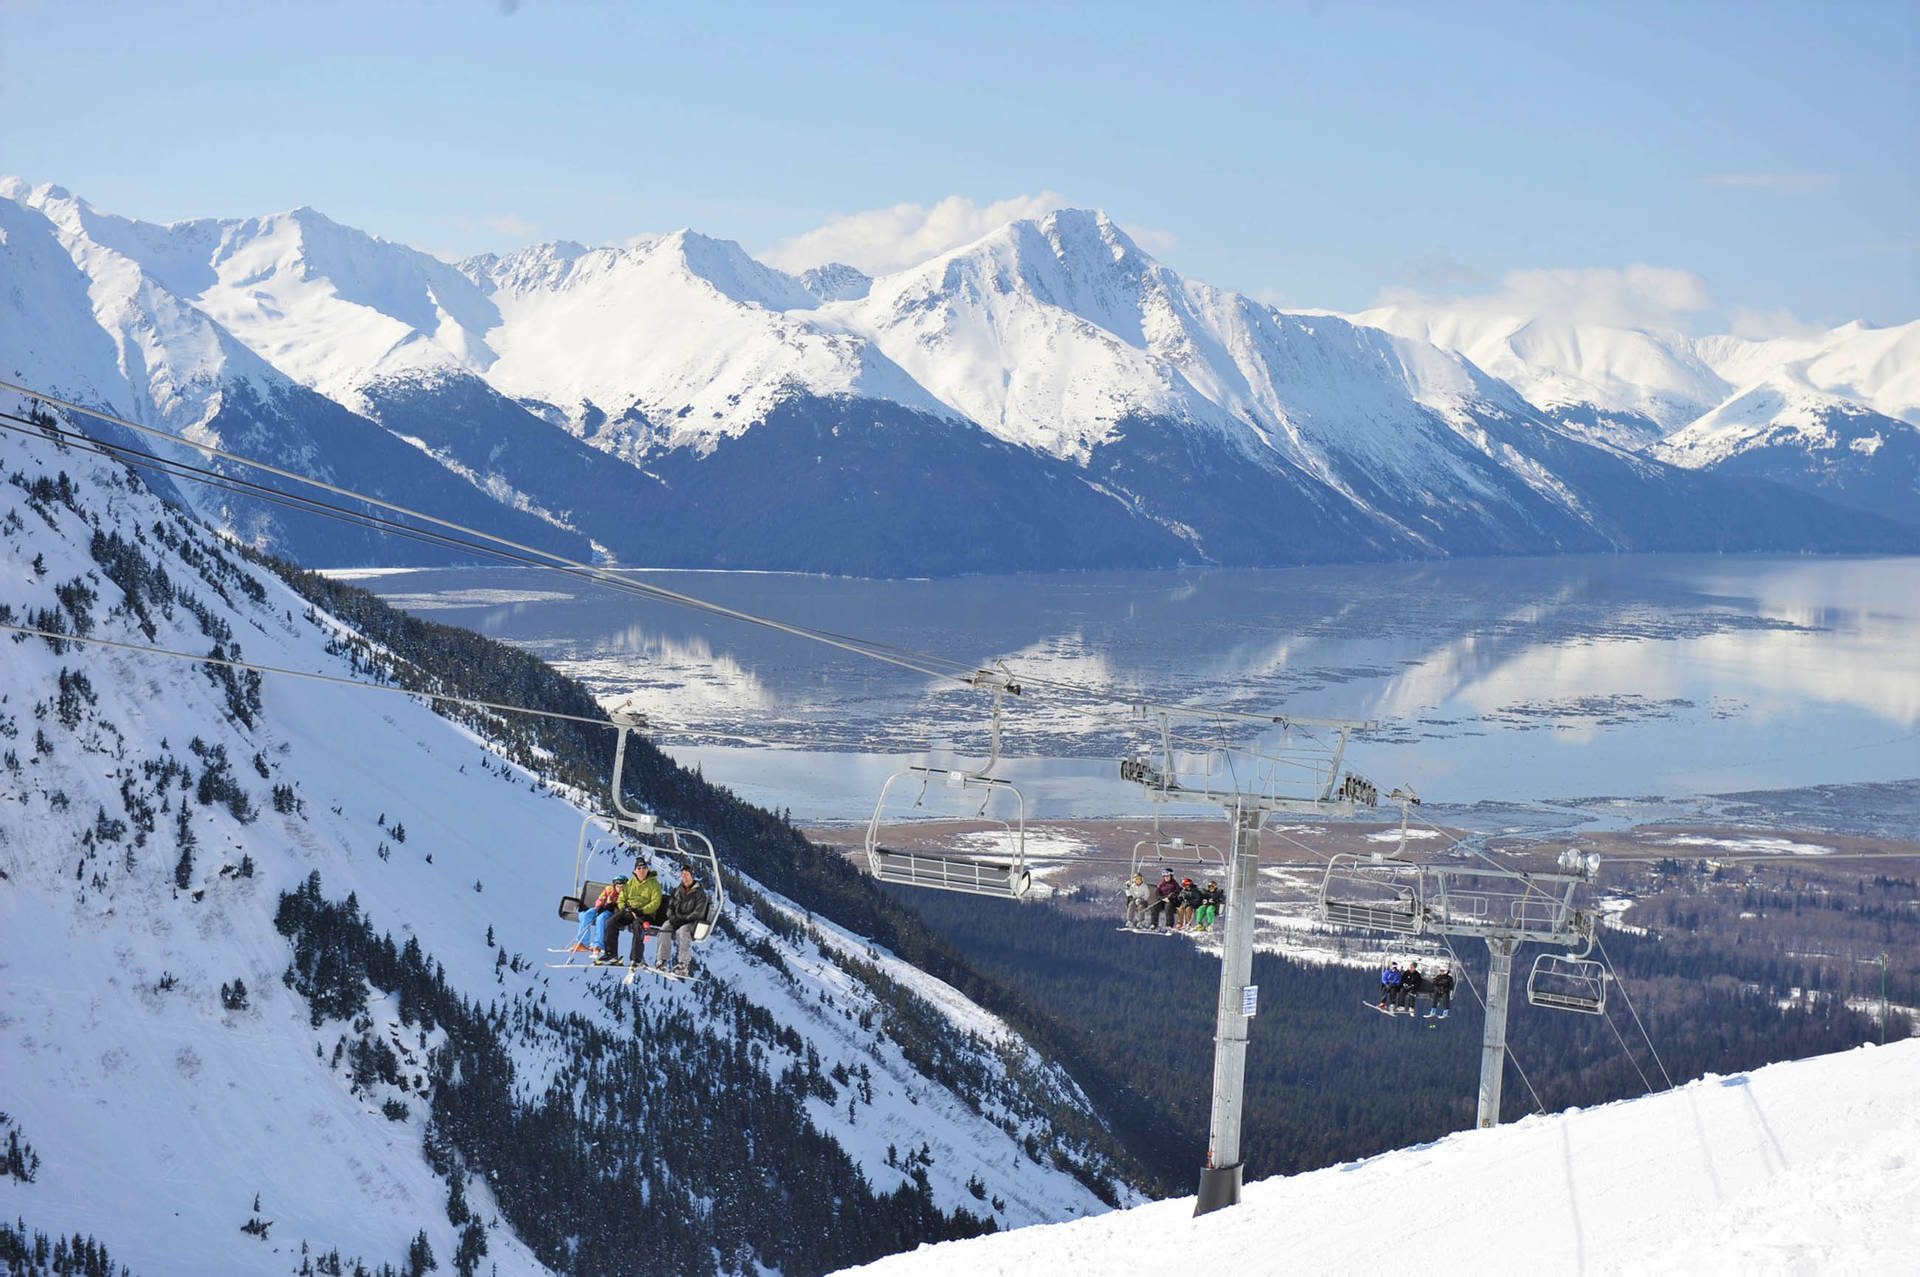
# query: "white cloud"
[[510, 224], [886, 239], [1764, 325], [1155, 243], [1636, 297]]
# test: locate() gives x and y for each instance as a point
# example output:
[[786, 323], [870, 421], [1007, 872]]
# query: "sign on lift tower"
[[1249, 784]]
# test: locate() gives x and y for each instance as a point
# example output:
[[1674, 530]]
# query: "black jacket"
[[686, 904]]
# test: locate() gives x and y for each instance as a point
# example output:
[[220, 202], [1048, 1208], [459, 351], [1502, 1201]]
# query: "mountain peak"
[[734, 273]]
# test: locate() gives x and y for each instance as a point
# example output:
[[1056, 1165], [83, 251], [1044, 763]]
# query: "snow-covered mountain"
[[152, 355], [274, 957], [1803, 411], [1806, 1166], [1048, 396]]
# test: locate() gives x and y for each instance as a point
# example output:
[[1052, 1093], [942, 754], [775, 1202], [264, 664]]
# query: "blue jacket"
[[1390, 976]]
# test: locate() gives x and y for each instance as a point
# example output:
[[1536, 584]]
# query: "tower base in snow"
[[1219, 1186]]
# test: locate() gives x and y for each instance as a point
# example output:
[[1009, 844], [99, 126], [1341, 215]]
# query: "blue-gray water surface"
[[1560, 685]]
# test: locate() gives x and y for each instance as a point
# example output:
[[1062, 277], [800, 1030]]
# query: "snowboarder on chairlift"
[[1138, 896], [639, 907], [1442, 994], [686, 908], [1389, 984]]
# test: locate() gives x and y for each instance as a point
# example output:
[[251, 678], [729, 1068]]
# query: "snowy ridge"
[[134, 898], [1806, 1166], [1052, 353], [1702, 402]]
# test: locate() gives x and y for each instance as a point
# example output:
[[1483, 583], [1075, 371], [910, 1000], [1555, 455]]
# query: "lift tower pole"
[[1504, 907], [1220, 1177], [1293, 778], [1493, 1038]]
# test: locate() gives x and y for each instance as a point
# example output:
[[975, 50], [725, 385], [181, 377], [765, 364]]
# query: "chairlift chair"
[[1007, 879], [1156, 852], [955, 871], [628, 834], [1376, 893], [1568, 983]]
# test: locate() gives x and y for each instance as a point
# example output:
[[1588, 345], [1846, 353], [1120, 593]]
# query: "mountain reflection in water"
[[1509, 680]]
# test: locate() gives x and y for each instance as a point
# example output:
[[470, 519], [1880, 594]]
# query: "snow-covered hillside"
[[153, 813], [109, 313], [1802, 1167], [1048, 396], [1804, 411]]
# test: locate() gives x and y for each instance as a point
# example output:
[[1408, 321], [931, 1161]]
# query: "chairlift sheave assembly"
[[616, 841], [1008, 878]]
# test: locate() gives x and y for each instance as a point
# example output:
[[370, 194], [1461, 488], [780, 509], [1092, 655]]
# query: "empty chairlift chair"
[[1567, 983], [1374, 894], [1005, 875], [1002, 872]]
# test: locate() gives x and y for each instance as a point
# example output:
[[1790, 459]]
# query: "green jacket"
[[642, 895]]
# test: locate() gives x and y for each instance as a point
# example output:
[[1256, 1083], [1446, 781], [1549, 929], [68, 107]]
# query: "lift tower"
[[1504, 907], [1249, 784]]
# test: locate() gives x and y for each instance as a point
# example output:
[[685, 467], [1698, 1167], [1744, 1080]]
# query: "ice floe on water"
[[448, 600], [1749, 845]]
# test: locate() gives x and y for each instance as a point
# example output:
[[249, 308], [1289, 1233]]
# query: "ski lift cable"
[[531, 558], [1633, 1010], [546, 558], [149, 650], [930, 664], [231, 483], [1627, 1051]]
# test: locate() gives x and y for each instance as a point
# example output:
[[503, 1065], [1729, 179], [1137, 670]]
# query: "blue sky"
[[1311, 154]]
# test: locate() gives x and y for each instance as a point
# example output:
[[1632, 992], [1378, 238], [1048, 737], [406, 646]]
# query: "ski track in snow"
[[1810, 1166]]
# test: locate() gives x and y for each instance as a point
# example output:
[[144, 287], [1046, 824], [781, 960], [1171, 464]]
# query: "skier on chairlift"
[[1389, 985], [1412, 985], [591, 937], [1189, 905], [686, 908], [1211, 898], [1166, 901], [1442, 994], [639, 907], [1138, 896]]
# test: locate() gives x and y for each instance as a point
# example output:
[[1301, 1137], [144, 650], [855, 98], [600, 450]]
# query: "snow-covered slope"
[[1808, 1166], [1772, 409], [1625, 386], [154, 356], [1784, 430], [153, 812], [675, 342]]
